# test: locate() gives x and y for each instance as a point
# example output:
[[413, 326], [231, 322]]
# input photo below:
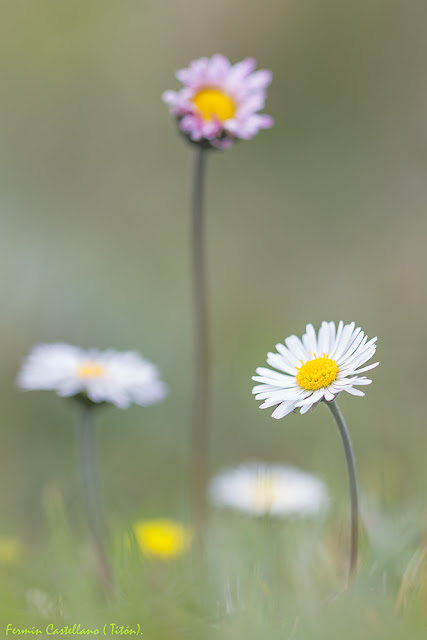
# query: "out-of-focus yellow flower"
[[11, 550], [162, 538]]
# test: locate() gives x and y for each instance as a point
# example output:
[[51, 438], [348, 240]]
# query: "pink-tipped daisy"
[[219, 101], [315, 368]]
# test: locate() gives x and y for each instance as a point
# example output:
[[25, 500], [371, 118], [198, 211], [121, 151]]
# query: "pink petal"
[[225, 143], [170, 97], [211, 129], [218, 69], [193, 126], [259, 80], [249, 127], [250, 105], [195, 74], [239, 72]]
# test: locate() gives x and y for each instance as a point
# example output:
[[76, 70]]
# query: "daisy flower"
[[260, 489], [318, 367], [219, 101], [99, 376], [162, 538]]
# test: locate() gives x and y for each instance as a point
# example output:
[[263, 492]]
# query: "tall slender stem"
[[200, 417], [352, 481], [86, 453]]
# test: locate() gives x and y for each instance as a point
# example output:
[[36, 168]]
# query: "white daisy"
[[260, 489], [314, 369], [100, 376]]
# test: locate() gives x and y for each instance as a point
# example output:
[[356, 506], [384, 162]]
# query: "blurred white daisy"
[[261, 489], [315, 368], [100, 376]]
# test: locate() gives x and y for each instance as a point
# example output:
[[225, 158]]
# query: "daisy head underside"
[[315, 368], [219, 102], [92, 376]]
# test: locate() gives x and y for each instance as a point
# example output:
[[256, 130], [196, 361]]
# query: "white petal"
[[283, 410], [315, 396], [278, 361], [356, 339], [355, 362], [295, 345], [306, 408], [337, 339], [270, 403], [361, 381], [259, 388], [323, 340], [345, 340], [329, 396], [309, 340], [354, 392], [273, 377], [352, 352], [291, 359], [367, 368], [281, 394]]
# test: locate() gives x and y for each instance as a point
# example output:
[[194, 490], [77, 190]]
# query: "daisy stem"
[[200, 417], [86, 453], [352, 481]]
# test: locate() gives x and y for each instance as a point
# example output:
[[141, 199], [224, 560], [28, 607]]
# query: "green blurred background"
[[321, 217]]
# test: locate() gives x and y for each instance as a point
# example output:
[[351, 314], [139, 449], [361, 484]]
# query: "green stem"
[[200, 417], [352, 481], [86, 453]]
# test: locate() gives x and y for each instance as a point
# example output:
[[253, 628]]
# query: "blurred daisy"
[[220, 101], [100, 376], [260, 489], [162, 538], [318, 367]]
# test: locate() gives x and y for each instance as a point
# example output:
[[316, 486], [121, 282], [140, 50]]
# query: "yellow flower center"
[[162, 538], [317, 373], [264, 493], [213, 103], [91, 370]]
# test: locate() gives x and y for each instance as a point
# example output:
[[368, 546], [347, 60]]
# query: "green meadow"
[[321, 217]]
